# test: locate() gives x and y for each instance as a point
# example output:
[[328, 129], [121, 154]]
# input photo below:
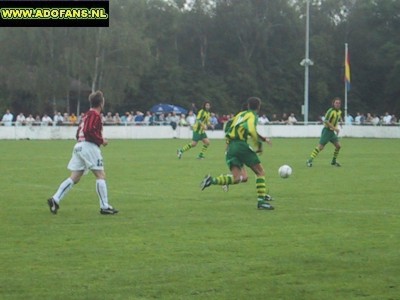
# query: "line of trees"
[[220, 50]]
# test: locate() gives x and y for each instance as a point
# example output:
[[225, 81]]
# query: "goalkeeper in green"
[[199, 132], [240, 154], [329, 133]]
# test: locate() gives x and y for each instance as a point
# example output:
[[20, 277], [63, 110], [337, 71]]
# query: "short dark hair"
[[204, 104], [96, 99], [254, 103], [336, 98]]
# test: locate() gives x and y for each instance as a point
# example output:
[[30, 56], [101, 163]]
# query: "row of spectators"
[[371, 119], [129, 118], [152, 119], [136, 118], [45, 120]]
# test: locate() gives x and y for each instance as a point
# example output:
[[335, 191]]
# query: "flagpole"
[[346, 53]]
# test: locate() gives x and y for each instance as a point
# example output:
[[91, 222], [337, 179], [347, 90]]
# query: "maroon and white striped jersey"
[[90, 128]]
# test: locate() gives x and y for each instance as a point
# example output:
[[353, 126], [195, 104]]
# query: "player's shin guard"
[[187, 147], [63, 189], [261, 187], [314, 153], [203, 150], [335, 155], [101, 189], [223, 180]]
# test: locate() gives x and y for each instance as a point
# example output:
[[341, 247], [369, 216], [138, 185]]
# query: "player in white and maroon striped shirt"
[[87, 156]]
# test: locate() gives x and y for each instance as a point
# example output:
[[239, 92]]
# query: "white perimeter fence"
[[166, 132]]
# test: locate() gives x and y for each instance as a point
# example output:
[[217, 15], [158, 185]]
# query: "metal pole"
[[306, 71], [306, 62]]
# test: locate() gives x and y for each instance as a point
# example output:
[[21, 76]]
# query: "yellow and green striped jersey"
[[244, 124], [202, 121], [332, 116]]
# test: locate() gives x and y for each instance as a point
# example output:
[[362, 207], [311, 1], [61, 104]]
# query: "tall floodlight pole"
[[306, 63]]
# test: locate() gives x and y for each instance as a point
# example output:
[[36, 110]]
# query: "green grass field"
[[334, 233]]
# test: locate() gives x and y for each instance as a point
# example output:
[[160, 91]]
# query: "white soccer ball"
[[285, 171]]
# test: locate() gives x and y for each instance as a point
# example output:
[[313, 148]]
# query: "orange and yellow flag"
[[347, 78]]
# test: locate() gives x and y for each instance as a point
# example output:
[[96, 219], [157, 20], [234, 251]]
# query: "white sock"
[[101, 189], [63, 189]]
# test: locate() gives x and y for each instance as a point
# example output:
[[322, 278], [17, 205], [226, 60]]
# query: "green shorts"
[[327, 136], [240, 153], [199, 136]]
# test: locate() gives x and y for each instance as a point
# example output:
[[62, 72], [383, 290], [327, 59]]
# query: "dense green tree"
[[375, 55], [223, 50]]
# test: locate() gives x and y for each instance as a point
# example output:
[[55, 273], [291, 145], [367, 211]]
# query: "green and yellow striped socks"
[[222, 180], [186, 147], [261, 187], [335, 154], [314, 153], [203, 151]]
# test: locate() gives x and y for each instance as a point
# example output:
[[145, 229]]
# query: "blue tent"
[[167, 108]]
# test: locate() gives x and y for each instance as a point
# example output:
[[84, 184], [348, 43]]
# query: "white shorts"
[[86, 156]]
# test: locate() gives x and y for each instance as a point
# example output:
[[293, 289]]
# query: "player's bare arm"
[[265, 139]]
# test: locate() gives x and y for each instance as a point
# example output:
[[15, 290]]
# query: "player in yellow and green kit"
[[199, 132], [240, 154], [329, 133]]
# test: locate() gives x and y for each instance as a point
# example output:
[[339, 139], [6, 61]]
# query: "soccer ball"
[[285, 171]]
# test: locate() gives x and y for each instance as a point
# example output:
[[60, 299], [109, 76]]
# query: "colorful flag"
[[347, 71]]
